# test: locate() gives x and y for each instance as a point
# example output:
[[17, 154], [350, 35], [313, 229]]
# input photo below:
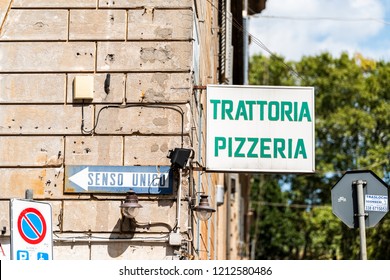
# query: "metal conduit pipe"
[[102, 240], [228, 217], [190, 214], [200, 161], [178, 202]]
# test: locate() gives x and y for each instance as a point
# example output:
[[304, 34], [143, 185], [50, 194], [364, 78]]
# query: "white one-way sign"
[[141, 179]]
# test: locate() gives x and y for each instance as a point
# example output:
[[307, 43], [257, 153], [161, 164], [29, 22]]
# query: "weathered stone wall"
[[145, 48], [207, 27]]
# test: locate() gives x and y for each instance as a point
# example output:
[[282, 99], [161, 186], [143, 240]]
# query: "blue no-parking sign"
[[31, 230]]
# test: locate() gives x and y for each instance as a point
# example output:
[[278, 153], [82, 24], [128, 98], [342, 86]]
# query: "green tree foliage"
[[352, 97], [278, 227]]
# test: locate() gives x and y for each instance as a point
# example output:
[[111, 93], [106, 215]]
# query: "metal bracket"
[[363, 215]]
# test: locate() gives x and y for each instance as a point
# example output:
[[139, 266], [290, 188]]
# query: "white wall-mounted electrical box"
[[220, 194], [83, 87]]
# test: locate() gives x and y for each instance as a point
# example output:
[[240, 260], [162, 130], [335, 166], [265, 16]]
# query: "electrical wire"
[[342, 19], [176, 108], [286, 205], [164, 174], [257, 41]]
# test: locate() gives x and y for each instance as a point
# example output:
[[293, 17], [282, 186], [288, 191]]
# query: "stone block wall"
[[144, 49]]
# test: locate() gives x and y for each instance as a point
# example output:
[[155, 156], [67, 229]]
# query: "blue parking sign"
[[22, 255]]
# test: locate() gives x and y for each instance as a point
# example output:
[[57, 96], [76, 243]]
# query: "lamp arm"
[[153, 224]]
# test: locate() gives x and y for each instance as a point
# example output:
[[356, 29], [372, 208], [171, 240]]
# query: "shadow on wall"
[[146, 245], [127, 229]]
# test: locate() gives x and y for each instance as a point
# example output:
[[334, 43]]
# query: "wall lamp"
[[179, 158], [130, 207], [203, 211]]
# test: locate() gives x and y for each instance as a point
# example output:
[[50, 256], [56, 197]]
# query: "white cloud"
[[293, 28]]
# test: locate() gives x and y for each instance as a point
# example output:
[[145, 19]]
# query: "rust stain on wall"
[[17, 180]]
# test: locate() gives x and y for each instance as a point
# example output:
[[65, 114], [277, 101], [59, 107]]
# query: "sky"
[[296, 28]]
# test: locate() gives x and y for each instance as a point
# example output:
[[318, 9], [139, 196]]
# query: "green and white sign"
[[260, 129]]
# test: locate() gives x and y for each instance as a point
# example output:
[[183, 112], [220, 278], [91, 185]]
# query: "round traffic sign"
[[32, 226]]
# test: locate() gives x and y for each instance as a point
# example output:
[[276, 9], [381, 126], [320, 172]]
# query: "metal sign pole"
[[361, 214], [360, 199]]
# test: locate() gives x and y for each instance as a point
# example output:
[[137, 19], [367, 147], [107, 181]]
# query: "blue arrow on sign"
[[119, 179]]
